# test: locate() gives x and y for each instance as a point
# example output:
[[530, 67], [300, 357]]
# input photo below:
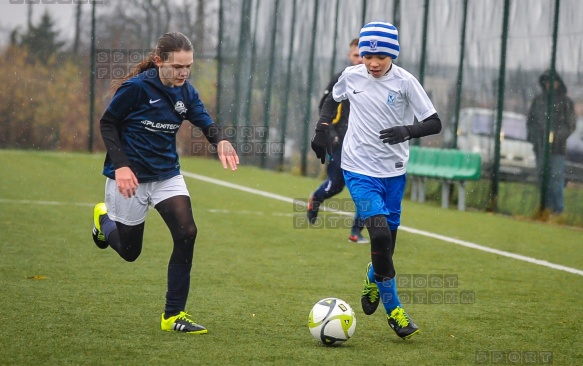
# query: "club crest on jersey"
[[373, 44], [179, 107], [391, 98]]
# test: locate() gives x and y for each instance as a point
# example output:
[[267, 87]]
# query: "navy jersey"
[[148, 116]]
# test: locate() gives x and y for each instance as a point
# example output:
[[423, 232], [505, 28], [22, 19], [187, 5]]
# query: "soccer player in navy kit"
[[139, 131], [334, 182], [384, 98]]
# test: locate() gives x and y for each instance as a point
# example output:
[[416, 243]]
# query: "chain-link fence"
[[480, 62], [261, 67]]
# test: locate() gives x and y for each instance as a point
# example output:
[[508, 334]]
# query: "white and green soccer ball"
[[332, 321]]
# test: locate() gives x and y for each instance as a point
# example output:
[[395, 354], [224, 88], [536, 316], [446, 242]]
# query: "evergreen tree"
[[42, 40]]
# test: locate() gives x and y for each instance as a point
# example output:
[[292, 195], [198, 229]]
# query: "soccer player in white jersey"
[[384, 98]]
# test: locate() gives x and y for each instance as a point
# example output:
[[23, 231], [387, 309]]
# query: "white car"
[[575, 144], [475, 133]]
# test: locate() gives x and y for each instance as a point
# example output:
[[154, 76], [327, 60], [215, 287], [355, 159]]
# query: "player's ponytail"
[[167, 43]]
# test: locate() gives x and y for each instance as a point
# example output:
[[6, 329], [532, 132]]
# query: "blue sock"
[[371, 274], [107, 225], [388, 293]]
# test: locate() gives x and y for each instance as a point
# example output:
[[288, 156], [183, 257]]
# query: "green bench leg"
[[444, 194], [461, 202], [421, 190], [418, 192], [414, 188], [418, 189]]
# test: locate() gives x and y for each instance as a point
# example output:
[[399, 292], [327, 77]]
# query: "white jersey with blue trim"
[[376, 104]]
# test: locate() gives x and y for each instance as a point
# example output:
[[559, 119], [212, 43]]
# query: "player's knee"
[[335, 189], [131, 259], [131, 254], [379, 232], [380, 241], [189, 233], [184, 242]]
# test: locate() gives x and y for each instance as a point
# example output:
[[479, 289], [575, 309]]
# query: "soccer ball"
[[332, 321]]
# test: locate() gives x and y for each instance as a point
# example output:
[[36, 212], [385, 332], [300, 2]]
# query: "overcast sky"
[[13, 14]]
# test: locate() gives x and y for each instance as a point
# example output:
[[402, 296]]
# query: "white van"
[[475, 133]]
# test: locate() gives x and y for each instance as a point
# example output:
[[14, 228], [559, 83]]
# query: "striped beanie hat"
[[379, 38]]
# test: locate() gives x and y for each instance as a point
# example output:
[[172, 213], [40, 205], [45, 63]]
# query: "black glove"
[[320, 144], [395, 135]]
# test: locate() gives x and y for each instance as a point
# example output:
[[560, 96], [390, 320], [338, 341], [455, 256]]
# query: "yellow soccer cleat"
[[98, 237], [182, 323]]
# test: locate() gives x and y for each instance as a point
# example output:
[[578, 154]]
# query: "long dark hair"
[[167, 43]]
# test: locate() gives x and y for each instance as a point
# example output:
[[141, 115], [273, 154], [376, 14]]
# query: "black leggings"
[[177, 214], [382, 246]]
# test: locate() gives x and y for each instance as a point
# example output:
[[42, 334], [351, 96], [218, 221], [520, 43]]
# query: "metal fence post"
[[266, 114], [285, 101], [550, 98], [417, 142], [244, 28], [92, 81], [219, 64], [305, 140], [495, 183], [460, 75]]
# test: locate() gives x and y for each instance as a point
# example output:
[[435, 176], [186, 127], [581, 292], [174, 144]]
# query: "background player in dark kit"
[[334, 182]]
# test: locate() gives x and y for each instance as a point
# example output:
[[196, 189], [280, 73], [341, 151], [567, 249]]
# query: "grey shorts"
[[132, 211]]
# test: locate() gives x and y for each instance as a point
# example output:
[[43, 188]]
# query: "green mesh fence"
[[277, 57], [261, 67]]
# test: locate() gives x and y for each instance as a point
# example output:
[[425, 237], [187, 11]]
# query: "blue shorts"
[[377, 196]]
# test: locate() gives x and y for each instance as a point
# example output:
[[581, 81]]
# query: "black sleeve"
[[110, 133], [328, 91], [213, 133], [430, 126], [329, 109]]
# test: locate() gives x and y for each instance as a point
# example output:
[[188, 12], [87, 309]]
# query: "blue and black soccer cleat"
[[312, 211], [370, 294], [400, 322]]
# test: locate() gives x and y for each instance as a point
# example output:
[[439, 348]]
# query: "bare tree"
[[157, 16], [135, 23], [199, 28], [184, 18], [29, 14], [76, 41]]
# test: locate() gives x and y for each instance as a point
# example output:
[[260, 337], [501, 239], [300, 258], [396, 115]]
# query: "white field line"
[[463, 243], [278, 197], [85, 204], [47, 203]]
